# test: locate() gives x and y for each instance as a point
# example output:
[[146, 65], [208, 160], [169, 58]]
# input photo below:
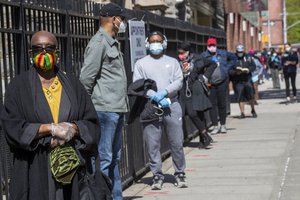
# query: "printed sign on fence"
[[137, 41]]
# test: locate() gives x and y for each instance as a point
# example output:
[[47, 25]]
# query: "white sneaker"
[[215, 131], [223, 129], [211, 128]]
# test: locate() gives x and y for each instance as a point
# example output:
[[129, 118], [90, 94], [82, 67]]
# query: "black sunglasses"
[[48, 48]]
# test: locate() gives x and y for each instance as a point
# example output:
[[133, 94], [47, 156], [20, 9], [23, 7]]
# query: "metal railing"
[[74, 23]]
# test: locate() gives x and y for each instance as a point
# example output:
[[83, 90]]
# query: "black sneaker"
[[242, 116], [181, 181], [157, 183], [254, 114]]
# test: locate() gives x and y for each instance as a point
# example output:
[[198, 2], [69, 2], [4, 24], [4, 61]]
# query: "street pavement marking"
[[157, 193], [199, 155], [284, 177], [190, 169]]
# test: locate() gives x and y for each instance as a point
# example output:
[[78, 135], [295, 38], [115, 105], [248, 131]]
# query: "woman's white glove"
[[63, 131]]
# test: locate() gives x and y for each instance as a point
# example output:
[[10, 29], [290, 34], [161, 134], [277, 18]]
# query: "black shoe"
[[242, 116], [203, 141], [202, 146], [209, 138], [254, 114]]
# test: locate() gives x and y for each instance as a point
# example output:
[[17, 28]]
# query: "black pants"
[[287, 77], [219, 98], [197, 117]]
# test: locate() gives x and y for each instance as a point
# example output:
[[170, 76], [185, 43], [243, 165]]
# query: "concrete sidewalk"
[[258, 159]]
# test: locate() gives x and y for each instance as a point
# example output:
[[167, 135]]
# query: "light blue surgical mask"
[[240, 55], [156, 48]]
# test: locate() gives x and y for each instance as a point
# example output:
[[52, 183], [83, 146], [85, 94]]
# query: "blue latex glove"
[[158, 96], [214, 59], [164, 103]]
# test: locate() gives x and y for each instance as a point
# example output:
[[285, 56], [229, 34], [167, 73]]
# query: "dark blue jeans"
[[110, 148]]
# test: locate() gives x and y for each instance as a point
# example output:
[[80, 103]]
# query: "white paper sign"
[[137, 41]]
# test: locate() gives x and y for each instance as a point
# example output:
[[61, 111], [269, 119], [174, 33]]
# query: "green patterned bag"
[[64, 163]]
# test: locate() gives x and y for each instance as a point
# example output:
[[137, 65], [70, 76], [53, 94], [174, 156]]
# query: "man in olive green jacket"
[[103, 75]]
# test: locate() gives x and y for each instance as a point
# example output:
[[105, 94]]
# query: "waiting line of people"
[[57, 126], [282, 65]]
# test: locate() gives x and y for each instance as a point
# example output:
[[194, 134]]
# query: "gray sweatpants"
[[172, 120], [275, 78]]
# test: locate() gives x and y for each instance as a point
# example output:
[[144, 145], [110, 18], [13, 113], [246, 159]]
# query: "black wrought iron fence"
[[74, 23]]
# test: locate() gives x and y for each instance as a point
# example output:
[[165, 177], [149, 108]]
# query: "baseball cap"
[[211, 41], [251, 51], [112, 9]]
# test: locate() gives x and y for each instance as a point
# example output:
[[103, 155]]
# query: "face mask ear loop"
[[159, 112], [31, 60], [188, 92]]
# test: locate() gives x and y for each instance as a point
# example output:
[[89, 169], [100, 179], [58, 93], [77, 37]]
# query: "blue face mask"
[[240, 55], [156, 48]]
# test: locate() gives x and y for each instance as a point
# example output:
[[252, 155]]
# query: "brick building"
[[243, 23], [276, 23]]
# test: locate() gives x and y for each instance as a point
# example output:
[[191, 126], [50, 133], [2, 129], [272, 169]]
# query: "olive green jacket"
[[103, 74]]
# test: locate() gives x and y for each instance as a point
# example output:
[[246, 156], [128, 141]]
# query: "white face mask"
[[156, 48], [122, 27], [212, 49], [287, 49]]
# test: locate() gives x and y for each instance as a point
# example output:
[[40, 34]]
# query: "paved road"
[[259, 159]]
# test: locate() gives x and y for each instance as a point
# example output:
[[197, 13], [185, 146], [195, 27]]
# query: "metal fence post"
[[21, 47], [66, 41]]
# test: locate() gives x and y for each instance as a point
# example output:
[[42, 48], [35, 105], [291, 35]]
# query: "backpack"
[[216, 77]]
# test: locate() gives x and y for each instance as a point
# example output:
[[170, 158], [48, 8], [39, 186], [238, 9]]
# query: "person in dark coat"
[[289, 62], [45, 109], [194, 93]]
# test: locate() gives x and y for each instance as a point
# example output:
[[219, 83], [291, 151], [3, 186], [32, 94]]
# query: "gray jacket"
[[103, 74]]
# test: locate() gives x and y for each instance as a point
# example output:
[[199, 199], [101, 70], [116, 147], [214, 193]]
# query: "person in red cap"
[[219, 84], [211, 43]]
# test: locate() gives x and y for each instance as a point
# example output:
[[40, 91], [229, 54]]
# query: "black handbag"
[[96, 186]]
